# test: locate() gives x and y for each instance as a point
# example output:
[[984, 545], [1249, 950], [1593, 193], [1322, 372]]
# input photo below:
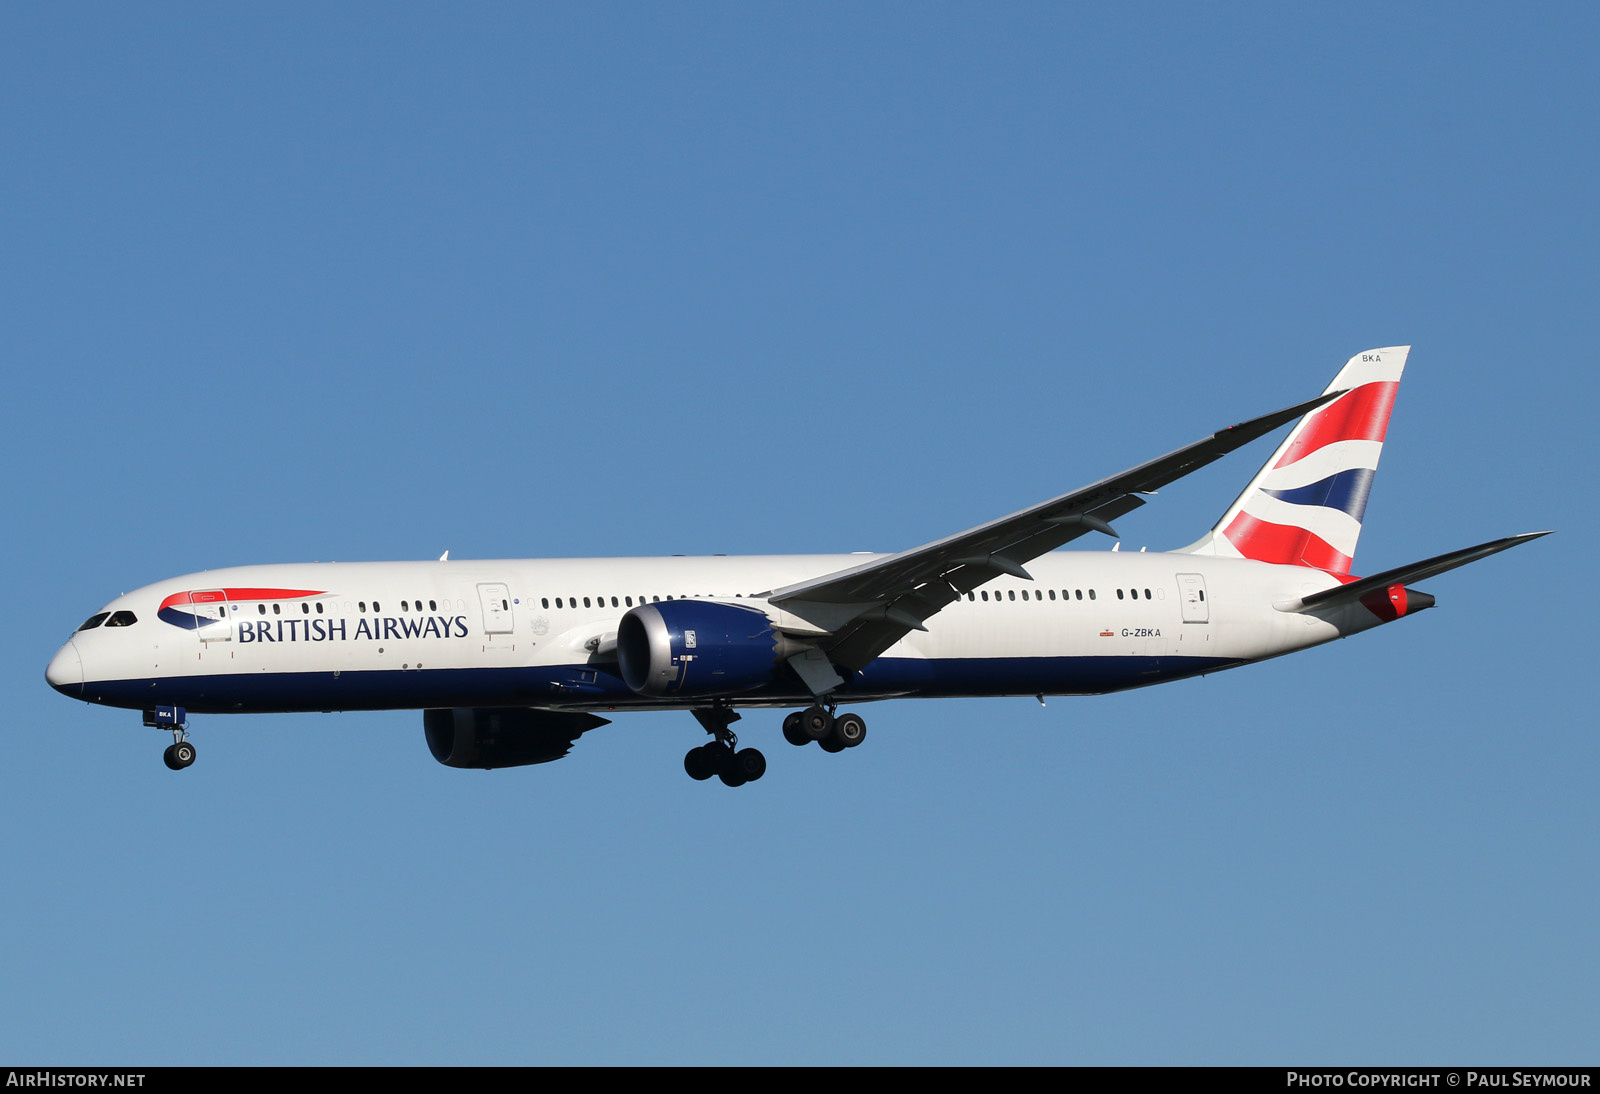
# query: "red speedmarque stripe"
[[1361, 415], [242, 594], [1264, 541]]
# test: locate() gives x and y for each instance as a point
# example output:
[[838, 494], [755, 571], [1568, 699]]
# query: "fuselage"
[[542, 632]]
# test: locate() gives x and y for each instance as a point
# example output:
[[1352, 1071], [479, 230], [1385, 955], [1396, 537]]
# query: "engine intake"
[[698, 648]]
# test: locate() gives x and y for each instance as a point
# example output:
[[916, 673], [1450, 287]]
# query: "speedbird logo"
[[171, 610]]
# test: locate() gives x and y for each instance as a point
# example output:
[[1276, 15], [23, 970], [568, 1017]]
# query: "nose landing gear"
[[180, 753]]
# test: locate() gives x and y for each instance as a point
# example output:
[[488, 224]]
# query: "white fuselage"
[[538, 632]]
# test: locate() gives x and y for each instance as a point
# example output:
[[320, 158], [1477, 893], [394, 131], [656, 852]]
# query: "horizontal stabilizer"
[[1416, 571]]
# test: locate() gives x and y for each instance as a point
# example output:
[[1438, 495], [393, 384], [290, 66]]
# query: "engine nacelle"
[[697, 648], [488, 737]]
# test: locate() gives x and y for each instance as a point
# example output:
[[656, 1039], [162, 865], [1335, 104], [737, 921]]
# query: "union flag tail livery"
[[1304, 507], [512, 660]]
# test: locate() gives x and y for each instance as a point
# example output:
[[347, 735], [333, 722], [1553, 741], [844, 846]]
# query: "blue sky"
[[283, 283]]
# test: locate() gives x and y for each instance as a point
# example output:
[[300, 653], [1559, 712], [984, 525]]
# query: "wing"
[[866, 609]]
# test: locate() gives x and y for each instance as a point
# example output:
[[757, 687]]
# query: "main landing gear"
[[736, 766], [180, 753], [723, 757], [834, 733]]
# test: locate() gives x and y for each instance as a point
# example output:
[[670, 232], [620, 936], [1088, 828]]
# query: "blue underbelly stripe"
[[580, 686]]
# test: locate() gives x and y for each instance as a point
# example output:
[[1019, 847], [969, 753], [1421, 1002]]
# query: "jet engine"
[[488, 737], [697, 648]]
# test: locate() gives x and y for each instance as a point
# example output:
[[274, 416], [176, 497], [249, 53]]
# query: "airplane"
[[512, 661]]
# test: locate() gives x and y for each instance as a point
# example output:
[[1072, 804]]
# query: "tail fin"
[[1304, 507]]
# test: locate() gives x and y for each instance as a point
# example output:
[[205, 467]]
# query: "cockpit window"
[[94, 621], [122, 619]]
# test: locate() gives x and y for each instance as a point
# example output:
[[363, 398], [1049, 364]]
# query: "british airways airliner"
[[512, 661]]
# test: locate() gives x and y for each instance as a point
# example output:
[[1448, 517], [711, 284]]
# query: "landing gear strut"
[[180, 753], [723, 757]]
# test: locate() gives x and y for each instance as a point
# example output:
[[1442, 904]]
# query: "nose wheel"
[[180, 753], [178, 756]]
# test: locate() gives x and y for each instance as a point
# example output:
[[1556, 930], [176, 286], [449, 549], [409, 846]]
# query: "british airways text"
[[384, 628]]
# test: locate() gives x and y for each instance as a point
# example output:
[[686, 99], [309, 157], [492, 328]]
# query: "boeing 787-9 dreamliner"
[[511, 661]]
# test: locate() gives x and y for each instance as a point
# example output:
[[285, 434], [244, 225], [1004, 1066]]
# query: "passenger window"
[[305, 609], [1011, 594], [1091, 594], [585, 602], [433, 607], [277, 609], [403, 604], [363, 606], [614, 603], [986, 594], [94, 621], [628, 600], [544, 601], [319, 607], [122, 619], [1147, 595], [1119, 594], [375, 606], [261, 609]]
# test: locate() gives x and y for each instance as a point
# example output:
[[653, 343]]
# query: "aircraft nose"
[[65, 672]]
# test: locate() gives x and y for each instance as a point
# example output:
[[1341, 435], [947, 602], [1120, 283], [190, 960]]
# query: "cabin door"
[[1192, 595], [497, 613]]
